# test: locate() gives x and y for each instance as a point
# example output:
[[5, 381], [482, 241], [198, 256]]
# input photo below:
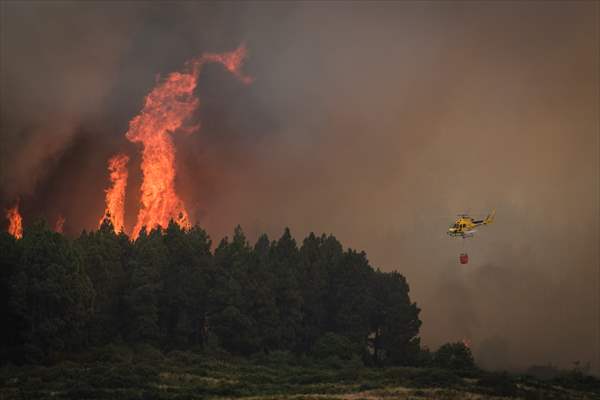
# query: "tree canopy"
[[171, 289]]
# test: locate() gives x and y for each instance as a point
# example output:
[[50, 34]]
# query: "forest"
[[170, 289], [170, 316]]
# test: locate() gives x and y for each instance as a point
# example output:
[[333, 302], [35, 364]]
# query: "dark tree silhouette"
[[169, 289]]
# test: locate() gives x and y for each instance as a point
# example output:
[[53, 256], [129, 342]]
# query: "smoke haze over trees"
[[370, 120]]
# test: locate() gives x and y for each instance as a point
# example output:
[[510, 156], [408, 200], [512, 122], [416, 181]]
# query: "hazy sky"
[[376, 122]]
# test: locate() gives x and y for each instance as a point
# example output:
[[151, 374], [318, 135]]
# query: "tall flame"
[[165, 110], [115, 194], [15, 222], [60, 223]]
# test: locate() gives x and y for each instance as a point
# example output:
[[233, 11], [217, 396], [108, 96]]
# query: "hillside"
[[146, 373]]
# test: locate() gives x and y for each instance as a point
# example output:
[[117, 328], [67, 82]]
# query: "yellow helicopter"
[[465, 225]]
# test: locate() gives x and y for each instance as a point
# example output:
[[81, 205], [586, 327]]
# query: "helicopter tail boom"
[[490, 218]]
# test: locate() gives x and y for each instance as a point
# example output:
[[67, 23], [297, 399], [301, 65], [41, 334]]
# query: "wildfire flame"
[[60, 223], [115, 194], [15, 222], [165, 110]]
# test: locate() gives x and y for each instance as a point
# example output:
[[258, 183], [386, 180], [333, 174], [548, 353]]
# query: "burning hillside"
[[166, 110]]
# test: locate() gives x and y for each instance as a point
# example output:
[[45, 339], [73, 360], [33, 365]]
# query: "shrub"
[[434, 378], [146, 352], [112, 353], [499, 384], [276, 358], [454, 356], [578, 380], [332, 345], [184, 357]]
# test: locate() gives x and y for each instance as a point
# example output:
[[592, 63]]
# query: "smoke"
[[58, 64], [376, 122]]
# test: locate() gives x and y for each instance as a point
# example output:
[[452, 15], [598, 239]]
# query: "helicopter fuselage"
[[464, 227]]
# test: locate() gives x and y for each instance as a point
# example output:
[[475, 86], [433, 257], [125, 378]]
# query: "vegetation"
[[169, 289], [144, 372], [167, 317]]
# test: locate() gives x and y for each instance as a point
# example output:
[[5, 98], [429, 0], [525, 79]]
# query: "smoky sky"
[[377, 122]]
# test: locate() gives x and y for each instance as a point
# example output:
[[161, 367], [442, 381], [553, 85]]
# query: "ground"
[[122, 373]]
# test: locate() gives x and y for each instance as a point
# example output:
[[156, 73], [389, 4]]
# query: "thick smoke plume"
[[377, 122]]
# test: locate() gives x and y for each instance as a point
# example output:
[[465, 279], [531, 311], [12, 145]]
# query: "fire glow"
[[15, 222], [115, 194], [60, 223]]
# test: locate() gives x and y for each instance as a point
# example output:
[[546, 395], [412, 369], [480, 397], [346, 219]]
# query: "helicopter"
[[465, 225]]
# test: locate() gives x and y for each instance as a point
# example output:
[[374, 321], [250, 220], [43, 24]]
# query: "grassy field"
[[146, 373]]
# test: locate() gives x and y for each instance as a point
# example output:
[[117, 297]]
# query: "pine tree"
[[104, 254], [51, 294]]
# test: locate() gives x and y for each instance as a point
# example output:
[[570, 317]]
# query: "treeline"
[[170, 290]]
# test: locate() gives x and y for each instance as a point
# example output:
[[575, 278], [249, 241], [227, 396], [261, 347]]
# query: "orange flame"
[[232, 61], [15, 222], [60, 223], [115, 194], [165, 110]]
